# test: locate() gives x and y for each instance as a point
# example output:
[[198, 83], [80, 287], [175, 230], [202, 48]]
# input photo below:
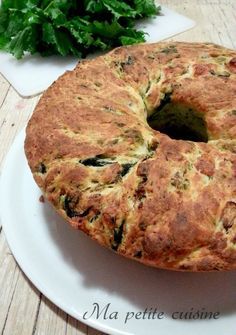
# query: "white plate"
[[74, 272], [33, 74]]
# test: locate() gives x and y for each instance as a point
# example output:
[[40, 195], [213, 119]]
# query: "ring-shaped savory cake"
[[137, 148]]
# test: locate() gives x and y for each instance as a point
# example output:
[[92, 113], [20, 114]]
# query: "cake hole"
[[179, 121]]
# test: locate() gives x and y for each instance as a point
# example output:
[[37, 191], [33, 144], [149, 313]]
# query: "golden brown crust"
[[166, 203]]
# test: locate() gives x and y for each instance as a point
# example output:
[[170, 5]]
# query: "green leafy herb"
[[70, 27]]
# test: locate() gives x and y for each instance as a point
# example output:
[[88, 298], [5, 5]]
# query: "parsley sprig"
[[70, 27]]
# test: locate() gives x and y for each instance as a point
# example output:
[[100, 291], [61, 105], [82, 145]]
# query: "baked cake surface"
[[165, 202]]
